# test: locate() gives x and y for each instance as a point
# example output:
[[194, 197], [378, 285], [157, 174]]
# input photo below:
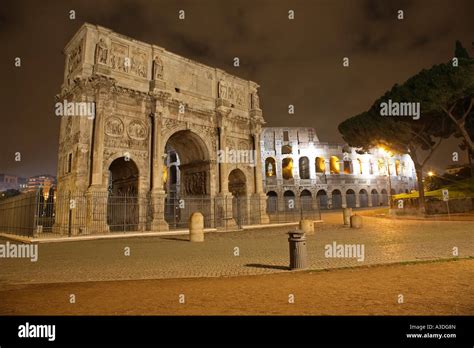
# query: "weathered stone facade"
[[296, 163], [147, 99]]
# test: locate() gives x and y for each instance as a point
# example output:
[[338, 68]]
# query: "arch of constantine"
[[153, 109]]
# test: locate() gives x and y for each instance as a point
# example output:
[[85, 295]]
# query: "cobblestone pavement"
[[260, 251]]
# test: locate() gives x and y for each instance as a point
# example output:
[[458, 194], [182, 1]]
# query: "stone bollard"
[[346, 215], [196, 227], [307, 226], [356, 221]]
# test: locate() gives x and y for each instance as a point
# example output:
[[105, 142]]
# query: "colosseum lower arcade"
[[298, 167]]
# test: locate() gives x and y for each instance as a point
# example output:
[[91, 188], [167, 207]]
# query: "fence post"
[[69, 220]]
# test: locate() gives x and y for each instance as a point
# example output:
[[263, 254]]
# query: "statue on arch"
[[157, 68], [101, 52]]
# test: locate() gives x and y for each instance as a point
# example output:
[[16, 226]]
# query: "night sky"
[[295, 62]]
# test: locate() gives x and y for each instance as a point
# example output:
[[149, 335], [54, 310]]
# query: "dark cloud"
[[376, 10]]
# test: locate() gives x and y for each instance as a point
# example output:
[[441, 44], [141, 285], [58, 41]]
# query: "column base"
[[158, 223], [228, 221], [262, 199], [97, 204]]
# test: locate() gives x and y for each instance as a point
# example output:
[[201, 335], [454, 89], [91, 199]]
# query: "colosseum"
[[298, 167]]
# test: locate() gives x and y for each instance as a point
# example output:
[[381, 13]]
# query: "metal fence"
[[291, 209], [434, 205], [82, 213]]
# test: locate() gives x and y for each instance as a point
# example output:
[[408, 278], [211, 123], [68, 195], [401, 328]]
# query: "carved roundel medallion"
[[137, 130], [114, 127]]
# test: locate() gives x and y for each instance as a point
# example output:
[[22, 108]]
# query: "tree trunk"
[[469, 158], [421, 188]]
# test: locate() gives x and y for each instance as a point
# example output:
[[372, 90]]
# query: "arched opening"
[[304, 168], [363, 198], [193, 156], [270, 167], [334, 165], [361, 170], [382, 167], [187, 179], [350, 199], [173, 175], [237, 183], [290, 202], [375, 198], [122, 202], [286, 150], [384, 197], [306, 200], [238, 188], [348, 169], [272, 202], [336, 199], [320, 165], [322, 199], [287, 168], [397, 168]]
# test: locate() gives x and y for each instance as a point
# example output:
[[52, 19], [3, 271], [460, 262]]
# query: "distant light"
[[385, 152], [430, 173]]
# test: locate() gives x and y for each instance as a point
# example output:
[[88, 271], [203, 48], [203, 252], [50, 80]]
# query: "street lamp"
[[387, 155]]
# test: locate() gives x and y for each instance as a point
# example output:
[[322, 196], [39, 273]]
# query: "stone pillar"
[[307, 226], [344, 199], [97, 193], [158, 194], [357, 197], [196, 227], [329, 199], [327, 166], [224, 196], [259, 195]]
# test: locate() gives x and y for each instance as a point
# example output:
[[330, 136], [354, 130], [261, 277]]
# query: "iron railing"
[[84, 213]]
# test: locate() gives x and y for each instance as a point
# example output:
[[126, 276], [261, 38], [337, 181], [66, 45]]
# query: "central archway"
[[186, 178], [192, 163]]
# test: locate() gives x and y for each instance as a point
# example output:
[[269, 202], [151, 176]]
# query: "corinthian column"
[[158, 194], [259, 197]]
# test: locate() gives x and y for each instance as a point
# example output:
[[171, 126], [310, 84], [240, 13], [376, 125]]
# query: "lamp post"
[[389, 184], [386, 155]]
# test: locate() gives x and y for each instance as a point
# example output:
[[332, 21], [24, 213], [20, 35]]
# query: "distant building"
[[296, 164], [12, 182], [41, 181]]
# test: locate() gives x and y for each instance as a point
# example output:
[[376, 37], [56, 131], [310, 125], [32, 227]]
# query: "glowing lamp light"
[[385, 152]]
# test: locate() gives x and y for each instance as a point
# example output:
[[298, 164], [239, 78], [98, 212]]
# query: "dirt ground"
[[435, 288]]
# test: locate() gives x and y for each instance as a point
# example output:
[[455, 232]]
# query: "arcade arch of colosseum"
[[151, 107], [296, 164]]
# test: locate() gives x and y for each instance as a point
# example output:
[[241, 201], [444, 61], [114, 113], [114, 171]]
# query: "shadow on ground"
[[259, 265]]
